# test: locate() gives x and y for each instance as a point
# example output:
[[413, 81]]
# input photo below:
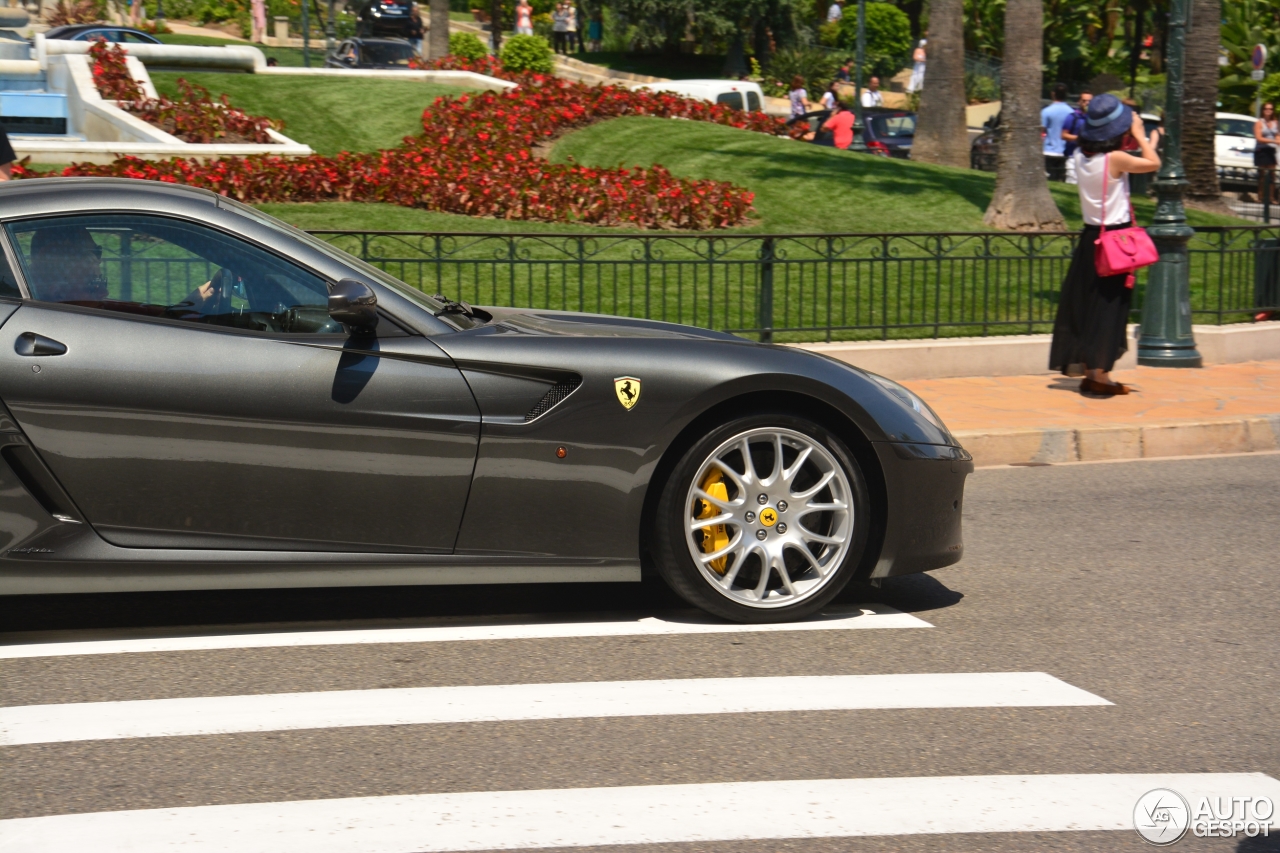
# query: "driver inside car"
[[66, 265], [211, 298]]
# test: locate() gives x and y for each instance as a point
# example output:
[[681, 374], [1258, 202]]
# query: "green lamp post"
[[1166, 339], [860, 143]]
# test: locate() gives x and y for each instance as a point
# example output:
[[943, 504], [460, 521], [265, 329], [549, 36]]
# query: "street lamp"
[[328, 30], [1166, 339], [159, 21], [859, 118]]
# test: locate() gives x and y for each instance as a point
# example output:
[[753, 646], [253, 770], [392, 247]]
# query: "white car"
[[739, 94], [1233, 141]]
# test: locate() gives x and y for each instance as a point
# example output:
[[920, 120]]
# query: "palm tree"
[[1021, 201], [942, 134], [438, 43], [1200, 81]]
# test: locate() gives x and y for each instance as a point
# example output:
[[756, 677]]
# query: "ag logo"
[[628, 390], [1161, 816], [768, 516]]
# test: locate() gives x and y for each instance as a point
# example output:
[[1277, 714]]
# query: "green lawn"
[[359, 114], [799, 188]]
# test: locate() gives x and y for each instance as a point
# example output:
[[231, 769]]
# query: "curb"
[[1056, 445]]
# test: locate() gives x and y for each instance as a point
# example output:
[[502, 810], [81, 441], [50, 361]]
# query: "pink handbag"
[[1124, 250]]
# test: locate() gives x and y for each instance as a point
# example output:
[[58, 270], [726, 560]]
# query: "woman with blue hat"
[[1093, 311]]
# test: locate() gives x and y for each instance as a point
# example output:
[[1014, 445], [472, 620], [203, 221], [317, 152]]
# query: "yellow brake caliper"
[[714, 536]]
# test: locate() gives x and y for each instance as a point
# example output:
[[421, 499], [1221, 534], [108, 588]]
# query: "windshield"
[[891, 127], [387, 53], [380, 276], [1235, 127]]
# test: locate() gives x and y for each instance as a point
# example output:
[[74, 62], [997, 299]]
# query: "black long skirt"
[[1093, 312]]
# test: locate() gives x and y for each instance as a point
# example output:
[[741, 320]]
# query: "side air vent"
[[549, 400]]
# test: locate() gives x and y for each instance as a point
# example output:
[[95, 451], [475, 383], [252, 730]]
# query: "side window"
[[159, 267], [753, 102], [733, 99]]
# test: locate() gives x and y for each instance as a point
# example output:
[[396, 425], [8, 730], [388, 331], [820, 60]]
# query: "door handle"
[[31, 344]]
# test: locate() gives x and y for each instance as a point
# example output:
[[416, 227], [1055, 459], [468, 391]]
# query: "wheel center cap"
[[768, 516]]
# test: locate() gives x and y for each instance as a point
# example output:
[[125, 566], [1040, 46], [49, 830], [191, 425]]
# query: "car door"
[[188, 389]]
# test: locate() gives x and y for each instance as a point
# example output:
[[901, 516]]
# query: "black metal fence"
[[805, 287]]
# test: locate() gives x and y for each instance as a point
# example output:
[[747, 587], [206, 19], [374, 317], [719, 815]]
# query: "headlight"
[[911, 399]]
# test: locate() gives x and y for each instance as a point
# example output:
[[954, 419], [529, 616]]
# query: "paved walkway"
[[1226, 408]]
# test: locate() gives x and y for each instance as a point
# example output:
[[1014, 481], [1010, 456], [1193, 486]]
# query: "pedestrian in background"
[[258, 13], [799, 98], [829, 97], [1093, 310], [916, 83], [415, 28], [836, 12], [1265, 131], [573, 43], [136, 11], [1071, 132], [1052, 119], [871, 96], [841, 126], [843, 74], [524, 18], [595, 33], [559, 27]]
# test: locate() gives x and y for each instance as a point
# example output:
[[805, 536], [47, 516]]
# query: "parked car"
[[739, 94], [372, 53], [1233, 146], [304, 419], [384, 18], [107, 32], [889, 133]]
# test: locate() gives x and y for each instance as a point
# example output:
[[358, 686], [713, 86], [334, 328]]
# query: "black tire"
[[672, 549]]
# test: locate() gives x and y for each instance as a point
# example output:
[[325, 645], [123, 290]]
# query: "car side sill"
[[41, 578]]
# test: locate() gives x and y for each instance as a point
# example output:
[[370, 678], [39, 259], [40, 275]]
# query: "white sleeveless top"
[[1090, 172]]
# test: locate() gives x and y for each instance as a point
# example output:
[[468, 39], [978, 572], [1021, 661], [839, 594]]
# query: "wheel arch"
[[785, 402]]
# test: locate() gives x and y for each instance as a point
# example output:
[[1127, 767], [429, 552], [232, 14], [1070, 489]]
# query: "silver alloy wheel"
[[788, 529]]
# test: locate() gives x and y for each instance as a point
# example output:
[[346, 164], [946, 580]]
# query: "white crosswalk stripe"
[[423, 705], [868, 616], [821, 808], [574, 817]]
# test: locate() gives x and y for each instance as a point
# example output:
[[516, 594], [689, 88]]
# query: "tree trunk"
[[1021, 201], [1200, 78], [941, 133], [495, 25], [438, 39]]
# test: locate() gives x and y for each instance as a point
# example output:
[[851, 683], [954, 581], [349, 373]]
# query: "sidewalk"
[[1042, 418]]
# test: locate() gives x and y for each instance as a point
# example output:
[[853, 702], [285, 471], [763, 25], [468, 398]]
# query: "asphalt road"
[[1151, 584]]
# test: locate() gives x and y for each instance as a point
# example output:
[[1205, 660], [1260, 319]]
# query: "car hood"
[[572, 324]]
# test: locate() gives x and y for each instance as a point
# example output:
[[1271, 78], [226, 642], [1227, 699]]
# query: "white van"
[[739, 94]]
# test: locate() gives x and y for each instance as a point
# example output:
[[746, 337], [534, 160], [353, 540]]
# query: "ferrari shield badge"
[[628, 390]]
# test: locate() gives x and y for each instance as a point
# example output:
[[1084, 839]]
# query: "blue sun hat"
[[1107, 118]]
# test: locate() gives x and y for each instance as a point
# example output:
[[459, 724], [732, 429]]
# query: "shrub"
[[1269, 91], [980, 88], [888, 37], [818, 67], [467, 46], [528, 54], [73, 12]]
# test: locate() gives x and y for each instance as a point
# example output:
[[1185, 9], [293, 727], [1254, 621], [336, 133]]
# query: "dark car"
[[198, 396], [372, 53], [376, 18], [889, 133], [90, 32]]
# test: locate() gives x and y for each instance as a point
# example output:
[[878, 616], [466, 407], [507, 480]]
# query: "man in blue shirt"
[[1071, 132], [1052, 119]]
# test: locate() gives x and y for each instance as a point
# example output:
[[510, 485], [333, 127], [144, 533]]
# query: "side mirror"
[[354, 304]]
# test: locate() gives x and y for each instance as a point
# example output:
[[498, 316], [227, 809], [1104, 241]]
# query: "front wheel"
[[763, 520]]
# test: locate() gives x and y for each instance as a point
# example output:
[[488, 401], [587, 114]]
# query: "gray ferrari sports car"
[[198, 396]]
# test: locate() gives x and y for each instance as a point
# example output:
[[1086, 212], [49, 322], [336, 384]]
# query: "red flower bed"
[[195, 117], [475, 157]]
